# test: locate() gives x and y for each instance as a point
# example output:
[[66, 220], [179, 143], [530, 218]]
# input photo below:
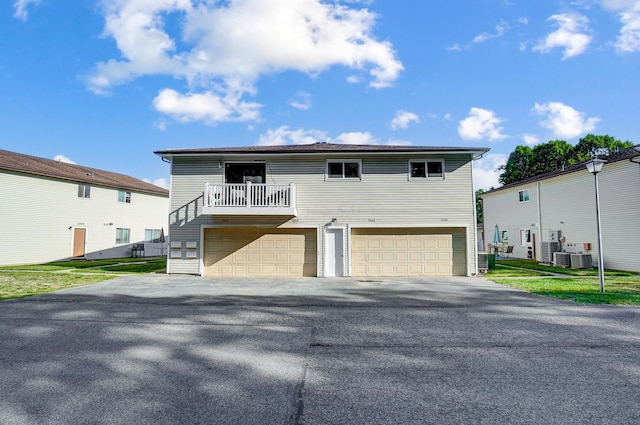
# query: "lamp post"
[[595, 166]]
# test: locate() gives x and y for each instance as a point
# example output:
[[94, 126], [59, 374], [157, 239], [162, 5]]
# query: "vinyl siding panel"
[[384, 197], [567, 203], [39, 214]]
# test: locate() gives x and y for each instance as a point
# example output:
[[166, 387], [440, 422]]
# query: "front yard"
[[581, 286], [23, 281]]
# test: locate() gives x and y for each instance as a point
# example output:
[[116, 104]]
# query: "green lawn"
[[581, 286], [22, 281]]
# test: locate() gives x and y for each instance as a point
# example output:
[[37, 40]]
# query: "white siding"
[[383, 198], [567, 203], [39, 214]]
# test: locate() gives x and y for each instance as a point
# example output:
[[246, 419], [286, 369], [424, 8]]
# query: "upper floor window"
[[344, 169], [84, 191], [122, 235], [523, 195], [243, 172], [430, 169], [124, 196]]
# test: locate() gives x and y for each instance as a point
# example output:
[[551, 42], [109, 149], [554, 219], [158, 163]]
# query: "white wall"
[[39, 215], [567, 203]]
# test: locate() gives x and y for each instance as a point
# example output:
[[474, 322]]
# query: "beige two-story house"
[[52, 210], [556, 213], [322, 210]]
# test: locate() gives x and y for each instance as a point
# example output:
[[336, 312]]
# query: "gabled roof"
[[617, 156], [320, 148], [20, 163]]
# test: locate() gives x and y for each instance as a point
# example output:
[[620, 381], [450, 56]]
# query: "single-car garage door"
[[408, 252], [260, 252]]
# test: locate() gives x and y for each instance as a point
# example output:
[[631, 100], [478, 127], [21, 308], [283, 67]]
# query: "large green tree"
[[518, 166], [525, 162]]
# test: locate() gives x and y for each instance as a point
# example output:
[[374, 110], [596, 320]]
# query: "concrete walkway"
[[158, 349]]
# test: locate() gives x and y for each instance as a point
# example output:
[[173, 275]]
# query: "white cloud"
[[629, 14], [481, 124], [228, 45], [161, 182], [564, 121], [501, 28], [62, 158], [302, 101], [209, 107], [571, 35], [403, 119], [485, 175], [530, 139], [20, 8], [285, 136], [356, 138]]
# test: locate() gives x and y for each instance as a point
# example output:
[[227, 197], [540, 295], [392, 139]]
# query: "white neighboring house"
[[322, 210], [52, 210], [557, 211]]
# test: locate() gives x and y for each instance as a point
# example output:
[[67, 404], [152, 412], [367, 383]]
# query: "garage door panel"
[[408, 252], [260, 252]]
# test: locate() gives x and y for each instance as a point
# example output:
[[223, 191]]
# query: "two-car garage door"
[[260, 252], [374, 252], [408, 252]]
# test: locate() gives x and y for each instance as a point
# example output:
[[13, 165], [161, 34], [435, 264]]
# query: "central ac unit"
[[581, 261], [548, 248], [483, 261], [562, 259]]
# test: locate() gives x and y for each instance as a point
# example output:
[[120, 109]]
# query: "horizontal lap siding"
[[384, 197]]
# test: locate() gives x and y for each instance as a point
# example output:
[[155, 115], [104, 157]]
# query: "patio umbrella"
[[497, 238]]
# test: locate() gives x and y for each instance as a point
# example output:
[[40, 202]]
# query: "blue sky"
[[105, 83]]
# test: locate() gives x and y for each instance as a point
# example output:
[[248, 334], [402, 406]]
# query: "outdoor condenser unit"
[[548, 248], [483, 261], [562, 259], [581, 261]]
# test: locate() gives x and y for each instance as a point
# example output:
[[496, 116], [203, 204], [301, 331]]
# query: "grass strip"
[[24, 284], [618, 290]]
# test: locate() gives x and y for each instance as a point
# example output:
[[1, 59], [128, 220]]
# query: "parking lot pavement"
[[160, 349]]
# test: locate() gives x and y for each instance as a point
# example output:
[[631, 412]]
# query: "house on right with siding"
[[556, 212]]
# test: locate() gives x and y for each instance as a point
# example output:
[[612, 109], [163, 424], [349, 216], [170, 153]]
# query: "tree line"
[[525, 162]]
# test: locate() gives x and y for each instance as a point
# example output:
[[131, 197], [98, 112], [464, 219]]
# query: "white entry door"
[[334, 252]]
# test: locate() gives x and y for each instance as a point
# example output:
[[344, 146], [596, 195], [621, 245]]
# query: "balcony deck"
[[249, 199]]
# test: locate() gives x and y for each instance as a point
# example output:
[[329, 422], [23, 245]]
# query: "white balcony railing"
[[249, 198]]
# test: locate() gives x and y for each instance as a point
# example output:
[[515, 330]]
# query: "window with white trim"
[[523, 195], [152, 235], [84, 191], [525, 237], [124, 196], [344, 169], [122, 235], [426, 169]]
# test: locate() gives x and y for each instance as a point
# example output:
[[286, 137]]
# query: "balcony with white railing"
[[249, 199]]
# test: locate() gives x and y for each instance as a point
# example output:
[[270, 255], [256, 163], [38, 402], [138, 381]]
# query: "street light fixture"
[[595, 166]]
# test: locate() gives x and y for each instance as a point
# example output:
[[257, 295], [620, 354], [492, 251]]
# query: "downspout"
[[539, 241]]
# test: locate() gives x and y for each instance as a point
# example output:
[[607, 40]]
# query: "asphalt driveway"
[[161, 349]]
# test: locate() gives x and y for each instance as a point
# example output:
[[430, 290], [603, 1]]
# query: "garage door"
[[408, 252], [260, 252]]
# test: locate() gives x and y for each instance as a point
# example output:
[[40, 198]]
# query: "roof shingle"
[[20, 163]]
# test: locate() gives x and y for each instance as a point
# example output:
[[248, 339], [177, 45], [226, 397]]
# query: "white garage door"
[[408, 252], [260, 252]]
